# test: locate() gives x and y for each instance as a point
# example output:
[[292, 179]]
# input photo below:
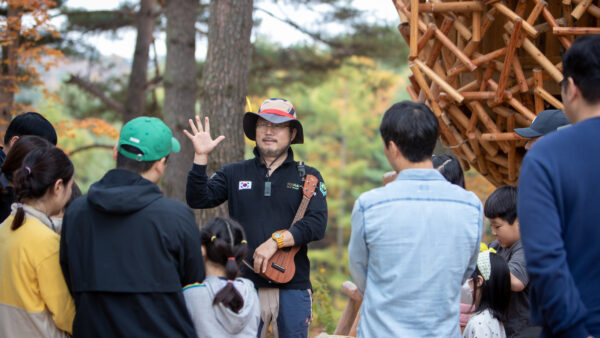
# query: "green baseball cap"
[[151, 136]]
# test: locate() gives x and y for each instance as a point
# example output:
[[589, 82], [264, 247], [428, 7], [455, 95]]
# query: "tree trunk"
[[180, 89], [225, 82], [8, 68], [136, 92]]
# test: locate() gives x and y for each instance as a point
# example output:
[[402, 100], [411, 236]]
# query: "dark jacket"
[[7, 197], [242, 185], [126, 252]]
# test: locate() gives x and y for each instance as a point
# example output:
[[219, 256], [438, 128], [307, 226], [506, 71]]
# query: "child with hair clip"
[[225, 305], [491, 295]]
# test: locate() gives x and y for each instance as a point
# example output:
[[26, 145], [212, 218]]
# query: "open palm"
[[200, 137]]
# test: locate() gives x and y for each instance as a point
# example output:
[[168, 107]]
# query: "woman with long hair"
[[34, 298], [23, 146]]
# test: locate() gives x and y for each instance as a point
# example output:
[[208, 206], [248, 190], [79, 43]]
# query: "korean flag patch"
[[245, 185]]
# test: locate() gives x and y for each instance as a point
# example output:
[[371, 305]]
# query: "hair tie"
[[212, 239], [28, 170], [483, 261], [231, 258], [20, 205], [244, 241], [230, 281]]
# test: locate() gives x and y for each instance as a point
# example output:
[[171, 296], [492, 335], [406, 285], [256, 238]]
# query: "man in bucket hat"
[[263, 194], [126, 251]]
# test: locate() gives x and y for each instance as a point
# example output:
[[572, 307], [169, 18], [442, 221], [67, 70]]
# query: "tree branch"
[[90, 146], [152, 83], [97, 92], [313, 35]]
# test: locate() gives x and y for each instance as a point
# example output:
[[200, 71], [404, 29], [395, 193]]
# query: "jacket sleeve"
[[63, 257], [202, 192], [55, 293], [358, 252], [191, 264], [554, 295], [475, 254], [312, 226]]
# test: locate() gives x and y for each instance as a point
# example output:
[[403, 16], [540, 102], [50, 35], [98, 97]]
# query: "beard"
[[272, 152]]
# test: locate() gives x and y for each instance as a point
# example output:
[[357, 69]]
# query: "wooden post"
[[566, 4], [535, 12], [513, 16], [426, 37], [550, 19], [441, 82], [510, 52], [476, 26], [561, 31], [581, 8], [437, 46], [453, 6], [414, 29]]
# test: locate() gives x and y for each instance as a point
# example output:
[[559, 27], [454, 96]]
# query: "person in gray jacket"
[[224, 305]]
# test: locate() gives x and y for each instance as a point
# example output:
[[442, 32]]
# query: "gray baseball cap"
[[547, 121]]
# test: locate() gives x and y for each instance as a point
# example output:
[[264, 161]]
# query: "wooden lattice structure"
[[487, 67]]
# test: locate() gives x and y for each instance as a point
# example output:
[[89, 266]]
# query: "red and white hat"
[[274, 110]]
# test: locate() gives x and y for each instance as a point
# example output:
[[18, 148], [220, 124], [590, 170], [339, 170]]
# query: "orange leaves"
[[98, 127], [21, 30]]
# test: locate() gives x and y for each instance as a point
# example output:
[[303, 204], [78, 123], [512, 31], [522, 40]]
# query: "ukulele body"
[[281, 268]]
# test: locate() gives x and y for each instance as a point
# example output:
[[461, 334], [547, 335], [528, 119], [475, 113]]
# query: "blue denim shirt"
[[414, 242]]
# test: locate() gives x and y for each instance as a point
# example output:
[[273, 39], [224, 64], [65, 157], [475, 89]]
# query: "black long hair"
[[225, 244], [23, 146], [495, 292], [40, 170]]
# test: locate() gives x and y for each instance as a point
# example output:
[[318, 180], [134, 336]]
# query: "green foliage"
[[323, 313]]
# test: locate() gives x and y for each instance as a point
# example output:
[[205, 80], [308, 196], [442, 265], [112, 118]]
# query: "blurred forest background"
[[339, 80]]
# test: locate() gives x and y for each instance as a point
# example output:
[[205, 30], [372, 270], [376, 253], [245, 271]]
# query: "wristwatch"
[[277, 236]]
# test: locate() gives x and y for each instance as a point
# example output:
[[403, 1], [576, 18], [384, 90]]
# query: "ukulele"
[[281, 267]]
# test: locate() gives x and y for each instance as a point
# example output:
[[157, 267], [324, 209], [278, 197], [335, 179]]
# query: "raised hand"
[[203, 142]]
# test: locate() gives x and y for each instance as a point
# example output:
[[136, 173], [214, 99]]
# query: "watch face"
[[277, 235]]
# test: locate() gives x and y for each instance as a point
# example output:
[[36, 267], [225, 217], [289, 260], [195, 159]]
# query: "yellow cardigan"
[[34, 298]]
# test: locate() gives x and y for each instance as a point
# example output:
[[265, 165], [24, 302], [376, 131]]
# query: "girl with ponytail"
[[34, 298], [225, 305]]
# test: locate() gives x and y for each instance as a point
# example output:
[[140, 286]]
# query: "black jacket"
[[242, 185], [126, 252]]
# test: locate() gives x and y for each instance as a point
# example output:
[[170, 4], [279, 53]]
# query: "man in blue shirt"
[[414, 241], [559, 190]]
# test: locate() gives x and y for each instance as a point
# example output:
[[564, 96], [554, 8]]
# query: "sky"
[[123, 44]]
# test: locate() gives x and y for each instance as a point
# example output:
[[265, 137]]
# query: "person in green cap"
[[126, 251]]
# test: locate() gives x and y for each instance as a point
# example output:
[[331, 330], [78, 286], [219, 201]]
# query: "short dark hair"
[[495, 292], [449, 167], [412, 127], [502, 204], [582, 63], [30, 123], [138, 167]]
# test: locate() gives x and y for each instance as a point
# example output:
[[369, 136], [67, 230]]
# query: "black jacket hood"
[[122, 192]]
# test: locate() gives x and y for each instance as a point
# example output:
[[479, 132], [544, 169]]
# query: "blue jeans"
[[295, 314]]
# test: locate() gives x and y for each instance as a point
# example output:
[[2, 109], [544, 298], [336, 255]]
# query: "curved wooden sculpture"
[[487, 67]]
